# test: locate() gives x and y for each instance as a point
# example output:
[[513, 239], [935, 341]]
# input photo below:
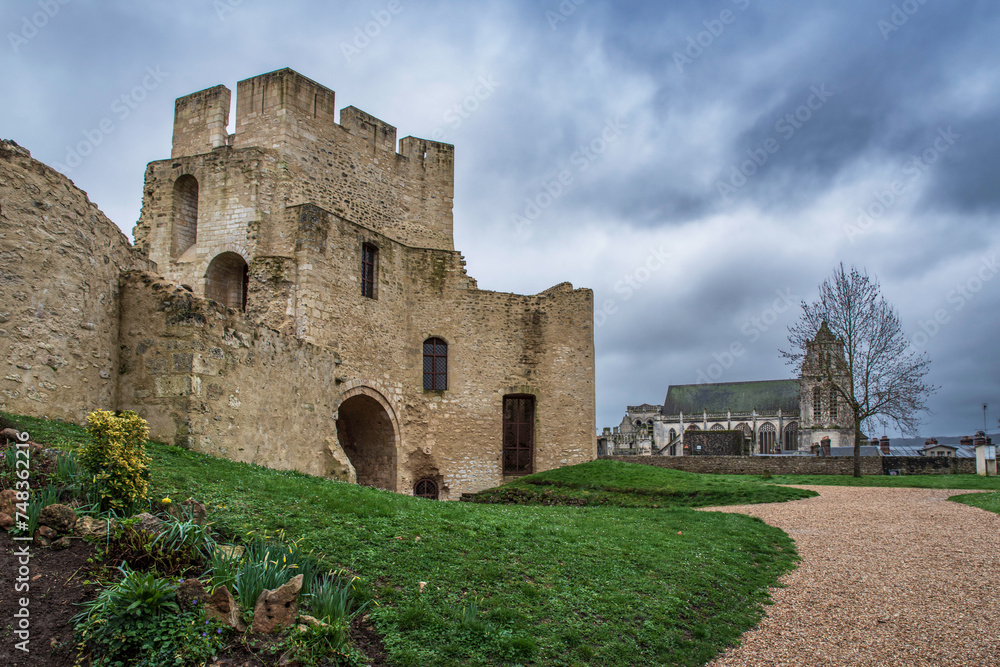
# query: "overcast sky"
[[702, 166]]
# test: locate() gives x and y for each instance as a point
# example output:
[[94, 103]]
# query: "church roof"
[[764, 396]]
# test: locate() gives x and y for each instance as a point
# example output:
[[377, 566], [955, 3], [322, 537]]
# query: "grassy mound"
[[478, 584], [619, 484]]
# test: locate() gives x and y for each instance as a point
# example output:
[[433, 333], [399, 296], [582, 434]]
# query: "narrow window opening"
[[369, 258]]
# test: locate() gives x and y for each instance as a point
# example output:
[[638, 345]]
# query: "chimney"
[[825, 445], [930, 442], [967, 441], [980, 439], [884, 445]]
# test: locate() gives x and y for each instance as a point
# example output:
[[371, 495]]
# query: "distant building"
[[801, 415]]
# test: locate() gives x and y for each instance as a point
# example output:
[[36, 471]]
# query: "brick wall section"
[[60, 259], [800, 465]]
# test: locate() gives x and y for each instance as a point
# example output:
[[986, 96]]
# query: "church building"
[[775, 416]]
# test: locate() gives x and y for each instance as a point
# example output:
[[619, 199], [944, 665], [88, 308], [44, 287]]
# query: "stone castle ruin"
[[293, 299]]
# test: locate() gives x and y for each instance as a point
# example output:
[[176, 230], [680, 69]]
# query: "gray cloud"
[[655, 186]]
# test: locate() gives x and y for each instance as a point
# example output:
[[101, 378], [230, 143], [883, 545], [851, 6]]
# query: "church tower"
[[824, 412]]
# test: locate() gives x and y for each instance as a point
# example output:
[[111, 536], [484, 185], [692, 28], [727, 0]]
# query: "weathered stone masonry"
[[314, 375]]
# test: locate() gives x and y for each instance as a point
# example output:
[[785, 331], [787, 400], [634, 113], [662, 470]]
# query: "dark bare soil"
[[56, 586]]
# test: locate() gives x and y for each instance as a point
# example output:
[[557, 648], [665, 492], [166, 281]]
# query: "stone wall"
[[714, 443], [60, 260], [803, 465], [206, 378]]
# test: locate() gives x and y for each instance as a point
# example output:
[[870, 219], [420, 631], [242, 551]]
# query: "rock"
[[189, 510], [88, 526], [149, 523], [59, 517], [8, 435], [45, 536], [61, 543], [230, 551], [191, 594], [6, 521], [222, 607], [277, 608], [313, 621], [8, 498]]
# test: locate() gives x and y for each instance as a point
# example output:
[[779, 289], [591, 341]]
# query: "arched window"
[[717, 427], [426, 488], [673, 434], [792, 437], [767, 435], [693, 427], [185, 215], [226, 280], [833, 404], [435, 364], [817, 405]]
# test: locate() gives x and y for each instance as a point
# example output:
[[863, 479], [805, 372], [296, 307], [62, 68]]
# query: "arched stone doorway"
[[366, 434]]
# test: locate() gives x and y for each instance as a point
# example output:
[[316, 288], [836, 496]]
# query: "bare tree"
[[885, 374]]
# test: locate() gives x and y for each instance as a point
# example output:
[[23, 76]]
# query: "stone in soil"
[[277, 608]]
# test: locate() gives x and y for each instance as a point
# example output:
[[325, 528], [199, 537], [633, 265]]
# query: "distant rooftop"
[[765, 396]]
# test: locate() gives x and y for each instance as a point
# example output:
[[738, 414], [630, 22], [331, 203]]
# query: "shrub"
[[116, 458], [138, 622]]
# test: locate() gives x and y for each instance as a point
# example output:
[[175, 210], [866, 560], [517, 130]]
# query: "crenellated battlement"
[[284, 108]]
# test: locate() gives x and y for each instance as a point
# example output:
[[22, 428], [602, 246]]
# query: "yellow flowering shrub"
[[116, 458]]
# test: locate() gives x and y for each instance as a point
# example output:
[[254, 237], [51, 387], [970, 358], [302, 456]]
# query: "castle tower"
[[824, 412], [227, 206]]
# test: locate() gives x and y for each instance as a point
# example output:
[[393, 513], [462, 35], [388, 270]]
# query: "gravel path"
[[888, 577]]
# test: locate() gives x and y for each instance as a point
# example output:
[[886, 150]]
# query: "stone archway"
[[368, 437]]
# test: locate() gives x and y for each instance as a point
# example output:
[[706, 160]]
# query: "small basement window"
[[426, 488]]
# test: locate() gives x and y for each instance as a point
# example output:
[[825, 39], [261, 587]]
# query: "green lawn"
[[636, 485], [901, 481], [513, 585]]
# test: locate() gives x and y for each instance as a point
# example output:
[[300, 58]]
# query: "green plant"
[[223, 565], [142, 550], [116, 459], [321, 646], [38, 499], [331, 598], [137, 594], [257, 572], [181, 535], [67, 472]]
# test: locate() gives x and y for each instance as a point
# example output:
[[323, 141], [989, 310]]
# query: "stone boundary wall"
[[803, 465], [714, 443]]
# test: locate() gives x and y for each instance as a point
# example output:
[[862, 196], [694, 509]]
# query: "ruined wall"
[[205, 377], [498, 343], [60, 260]]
